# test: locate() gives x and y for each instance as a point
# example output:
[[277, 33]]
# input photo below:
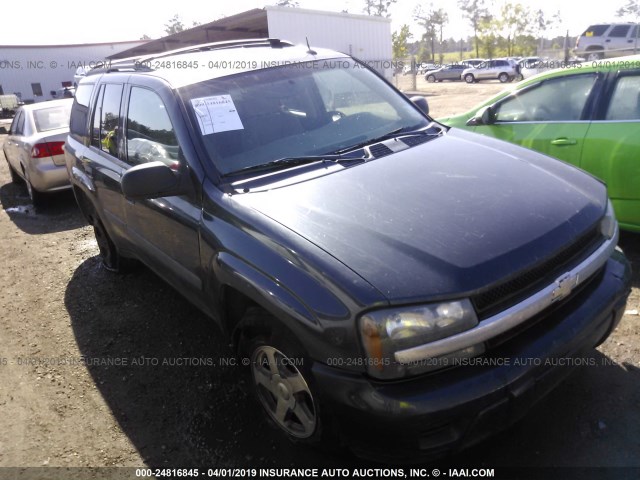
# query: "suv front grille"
[[507, 294]]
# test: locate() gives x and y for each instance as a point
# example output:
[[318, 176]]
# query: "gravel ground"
[[58, 304]]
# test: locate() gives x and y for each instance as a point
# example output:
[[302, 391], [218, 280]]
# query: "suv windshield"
[[304, 109]]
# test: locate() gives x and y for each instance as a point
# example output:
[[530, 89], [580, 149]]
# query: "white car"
[[500, 69], [33, 148]]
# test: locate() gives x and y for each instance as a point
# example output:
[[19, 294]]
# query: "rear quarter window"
[[80, 111]]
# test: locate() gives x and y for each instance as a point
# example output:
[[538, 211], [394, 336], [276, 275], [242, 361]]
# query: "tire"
[[469, 78], [280, 380], [503, 77], [519, 77], [431, 78], [594, 55], [35, 196], [111, 260]]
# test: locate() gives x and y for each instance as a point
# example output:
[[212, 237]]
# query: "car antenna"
[[312, 52]]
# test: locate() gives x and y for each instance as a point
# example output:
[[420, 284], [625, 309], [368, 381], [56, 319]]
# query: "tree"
[[630, 9], [475, 12], [399, 42], [433, 22], [439, 19], [515, 23], [288, 3], [426, 20], [542, 24], [175, 25], [378, 8], [145, 37]]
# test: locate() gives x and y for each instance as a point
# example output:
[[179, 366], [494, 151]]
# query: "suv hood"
[[444, 218]]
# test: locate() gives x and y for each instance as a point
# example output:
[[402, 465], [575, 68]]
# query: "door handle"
[[563, 141]]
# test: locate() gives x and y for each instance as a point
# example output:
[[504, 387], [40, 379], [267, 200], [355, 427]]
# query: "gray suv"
[[607, 40], [498, 69], [388, 281]]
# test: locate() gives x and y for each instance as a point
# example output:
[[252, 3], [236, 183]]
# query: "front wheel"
[[283, 392], [503, 77], [469, 78], [431, 78], [280, 379]]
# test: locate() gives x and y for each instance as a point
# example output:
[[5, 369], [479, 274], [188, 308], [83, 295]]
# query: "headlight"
[[609, 224], [384, 332]]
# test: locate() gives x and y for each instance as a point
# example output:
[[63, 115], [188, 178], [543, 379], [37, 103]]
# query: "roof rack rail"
[[125, 65], [141, 64], [242, 43]]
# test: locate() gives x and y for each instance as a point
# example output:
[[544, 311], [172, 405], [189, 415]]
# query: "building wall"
[[365, 37], [49, 66]]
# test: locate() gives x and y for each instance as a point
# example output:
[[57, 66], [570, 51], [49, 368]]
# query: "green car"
[[586, 114]]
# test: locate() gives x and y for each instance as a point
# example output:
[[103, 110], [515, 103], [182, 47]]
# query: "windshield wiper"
[[397, 133], [286, 162]]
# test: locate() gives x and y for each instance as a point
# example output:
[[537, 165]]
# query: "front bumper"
[[435, 414]]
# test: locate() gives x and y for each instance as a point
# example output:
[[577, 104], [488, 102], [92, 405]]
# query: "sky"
[[122, 20]]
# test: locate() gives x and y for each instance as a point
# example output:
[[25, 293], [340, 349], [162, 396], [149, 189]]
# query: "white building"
[[365, 37], [33, 72]]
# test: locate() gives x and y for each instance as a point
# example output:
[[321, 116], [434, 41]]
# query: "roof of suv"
[[195, 64]]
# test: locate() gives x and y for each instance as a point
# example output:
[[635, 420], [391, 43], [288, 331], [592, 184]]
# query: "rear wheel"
[[35, 196], [503, 77], [469, 78], [594, 55], [108, 252], [15, 178]]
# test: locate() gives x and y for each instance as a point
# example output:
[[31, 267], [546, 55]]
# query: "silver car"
[[33, 148], [501, 69], [448, 72]]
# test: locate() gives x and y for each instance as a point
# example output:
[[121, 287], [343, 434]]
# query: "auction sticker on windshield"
[[216, 114]]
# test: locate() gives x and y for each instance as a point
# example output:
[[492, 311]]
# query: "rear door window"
[[619, 31], [106, 119], [17, 126]]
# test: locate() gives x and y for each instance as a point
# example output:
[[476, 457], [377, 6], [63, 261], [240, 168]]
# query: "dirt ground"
[[63, 318]]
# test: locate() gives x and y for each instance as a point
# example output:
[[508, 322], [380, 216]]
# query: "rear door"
[[551, 117], [102, 159], [616, 42], [612, 145]]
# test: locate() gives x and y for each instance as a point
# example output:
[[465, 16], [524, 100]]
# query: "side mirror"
[[484, 116], [421, 103], [150, 180]]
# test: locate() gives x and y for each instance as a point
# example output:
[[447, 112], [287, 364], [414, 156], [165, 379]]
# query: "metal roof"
[[249, 24]]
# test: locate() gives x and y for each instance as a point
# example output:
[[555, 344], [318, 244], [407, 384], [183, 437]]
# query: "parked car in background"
[[500, 69], [448, 72], [424, 68], [608, 40], [473, 62], [9, 105], [359, 255], [587, 115], [33, 148]]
